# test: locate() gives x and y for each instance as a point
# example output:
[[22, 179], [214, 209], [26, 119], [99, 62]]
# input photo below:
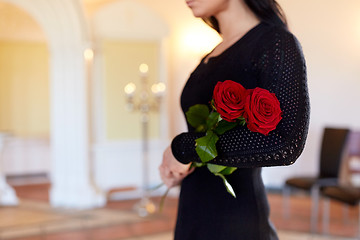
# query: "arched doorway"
[[24, 98], [65, 29], [24, 92]]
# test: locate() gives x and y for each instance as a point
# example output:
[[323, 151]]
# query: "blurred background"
[[66, 115], [64, 65], [64, 120]]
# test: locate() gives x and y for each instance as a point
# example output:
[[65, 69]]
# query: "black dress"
[[269, 57]]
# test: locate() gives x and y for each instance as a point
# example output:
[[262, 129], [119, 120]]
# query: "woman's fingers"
[[166, 176], [171, 182], [178, 175], [169, 178], [172, 172], [173, 164]]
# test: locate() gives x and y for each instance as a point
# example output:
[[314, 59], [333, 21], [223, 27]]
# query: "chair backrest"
[[332, 149], [349, 167]]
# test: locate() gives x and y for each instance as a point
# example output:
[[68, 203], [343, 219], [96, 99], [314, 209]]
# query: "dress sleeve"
[[281, 69]]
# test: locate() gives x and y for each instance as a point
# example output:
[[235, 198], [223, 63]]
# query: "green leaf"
[[225, 126], [212, 104], [162, 200], [201, 128], [214, 168], [228, 170], [197, 164], [206, 146], [212, 120], [242, 121], [197, 116], [227, 184]]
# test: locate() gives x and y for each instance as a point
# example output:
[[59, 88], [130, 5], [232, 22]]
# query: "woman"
[[257, 51]]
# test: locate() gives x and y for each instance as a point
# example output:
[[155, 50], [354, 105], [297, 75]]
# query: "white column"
[[71, 173], [7, 193]]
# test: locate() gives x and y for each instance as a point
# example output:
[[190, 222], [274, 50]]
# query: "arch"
[[134, 21], [61, 20], [65, 28]]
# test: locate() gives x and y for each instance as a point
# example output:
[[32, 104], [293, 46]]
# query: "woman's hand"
[[172, 171]]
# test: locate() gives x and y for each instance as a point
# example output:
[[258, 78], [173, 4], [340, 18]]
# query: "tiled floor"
[[38, 218], [34, 219]]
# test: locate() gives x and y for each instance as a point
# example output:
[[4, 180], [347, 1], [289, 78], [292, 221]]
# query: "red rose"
[[262, 112], [229, 100]]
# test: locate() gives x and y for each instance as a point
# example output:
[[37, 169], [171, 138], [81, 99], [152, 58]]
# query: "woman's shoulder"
[[278, 37], [273, 30]]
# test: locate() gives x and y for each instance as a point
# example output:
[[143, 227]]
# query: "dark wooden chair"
[[346, 195], [331, 153], [347, 191]]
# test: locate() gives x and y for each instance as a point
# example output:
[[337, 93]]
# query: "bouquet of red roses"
[[232, 105]]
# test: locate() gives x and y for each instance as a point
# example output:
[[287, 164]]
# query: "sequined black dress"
[[269, 57]]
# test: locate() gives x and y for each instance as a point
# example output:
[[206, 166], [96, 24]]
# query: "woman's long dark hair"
[[266, 10]]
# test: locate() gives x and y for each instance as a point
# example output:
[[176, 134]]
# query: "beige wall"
[[121, 66], [329, 31], [24, 88]]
